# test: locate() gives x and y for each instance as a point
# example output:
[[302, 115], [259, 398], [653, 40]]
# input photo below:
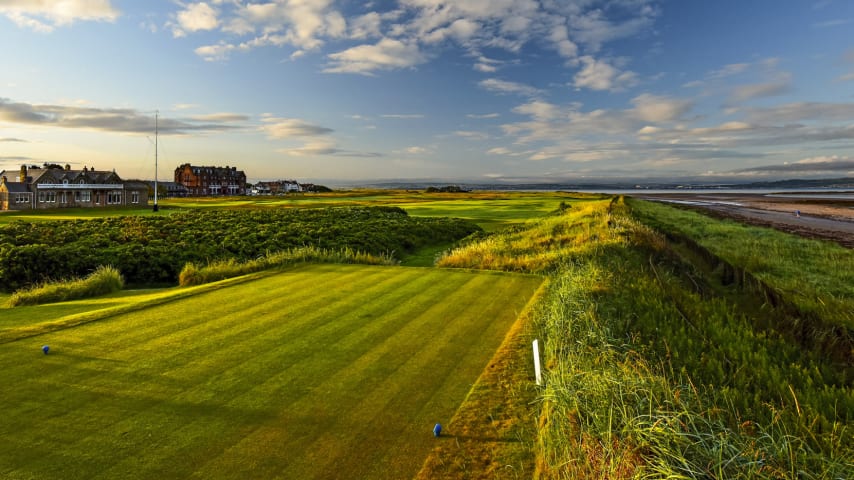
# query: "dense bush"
[[100, 282], [150, 250]]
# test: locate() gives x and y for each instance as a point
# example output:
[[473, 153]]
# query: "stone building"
[[53, 186]]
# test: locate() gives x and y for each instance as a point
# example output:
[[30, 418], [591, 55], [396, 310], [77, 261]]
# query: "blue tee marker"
[[45, 349], [437, 430]]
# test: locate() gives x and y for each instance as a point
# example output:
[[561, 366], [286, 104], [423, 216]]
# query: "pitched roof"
[[17, 187], [57, 175]]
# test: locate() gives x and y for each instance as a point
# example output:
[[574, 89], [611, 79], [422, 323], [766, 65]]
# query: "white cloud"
[[212, 53], [116, 120], [413, 31], [594, 29], [729, 70], [744, 93], [803, 111], [387, 54], [280, 128], [559, 36], [846, 78], [503, 86], [195, 17], [657, 109], [538, 109], [600, 75], [311, 148], [220, 117], [417, 150], [403, 116], [44, 15], [461, 30], [366, 26], [471, 135], [482, 115]]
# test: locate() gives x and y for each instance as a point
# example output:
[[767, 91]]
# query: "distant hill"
[[797, 183]]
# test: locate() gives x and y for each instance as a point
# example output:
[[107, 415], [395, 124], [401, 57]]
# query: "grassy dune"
[[320, 372]]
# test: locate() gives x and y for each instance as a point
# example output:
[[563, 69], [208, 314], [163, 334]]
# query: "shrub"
[[105, 279]]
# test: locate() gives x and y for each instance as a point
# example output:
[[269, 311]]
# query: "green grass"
[[815, 276], [103, 280], [320, 372], [491, 210]]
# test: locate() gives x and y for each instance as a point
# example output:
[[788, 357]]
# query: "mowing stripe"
[[324, 371]]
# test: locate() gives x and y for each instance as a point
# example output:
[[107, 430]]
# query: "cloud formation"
[[408, 33], [195, 17], [116, 120], [45, 15], [387, 54], [601, 75], [280, 128], [505, 87]]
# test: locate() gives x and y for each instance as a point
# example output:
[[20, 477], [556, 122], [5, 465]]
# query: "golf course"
[[324, 371], [325, 336]]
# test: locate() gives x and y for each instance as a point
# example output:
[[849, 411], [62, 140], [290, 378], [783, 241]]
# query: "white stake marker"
[[537, 362]]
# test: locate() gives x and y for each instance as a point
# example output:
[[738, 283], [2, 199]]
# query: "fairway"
[[323, 371]]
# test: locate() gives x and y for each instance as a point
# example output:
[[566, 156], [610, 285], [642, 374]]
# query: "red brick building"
[[203, 181]]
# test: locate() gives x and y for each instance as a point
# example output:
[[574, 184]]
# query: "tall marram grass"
[[611, 408], [647, 379], [540, 246], [193, 274], [103, 280]]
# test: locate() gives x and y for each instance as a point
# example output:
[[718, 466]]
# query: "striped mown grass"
[[324, 371]]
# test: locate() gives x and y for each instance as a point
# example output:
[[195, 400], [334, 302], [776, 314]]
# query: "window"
[[114, 198], [85, 196], [22, 198], [63, 197], [41, 197], [134, 197]]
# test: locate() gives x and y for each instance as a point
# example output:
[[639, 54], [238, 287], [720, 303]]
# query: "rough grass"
[[640, 384], [816, 276], [323, 371], [193, 274], [541, 245], [103, 280]]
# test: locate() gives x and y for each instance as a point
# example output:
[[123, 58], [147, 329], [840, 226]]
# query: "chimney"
[[68, 166], [23, 177]]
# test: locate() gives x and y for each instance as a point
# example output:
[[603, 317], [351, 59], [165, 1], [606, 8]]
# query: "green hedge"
[[153, 249]]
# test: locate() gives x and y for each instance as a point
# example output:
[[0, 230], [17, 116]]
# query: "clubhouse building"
[[53, 186]]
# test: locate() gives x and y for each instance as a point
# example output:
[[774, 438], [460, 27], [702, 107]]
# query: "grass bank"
[[650, 376]]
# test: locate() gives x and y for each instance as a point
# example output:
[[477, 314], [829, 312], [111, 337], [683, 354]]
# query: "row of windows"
[[113, 198]]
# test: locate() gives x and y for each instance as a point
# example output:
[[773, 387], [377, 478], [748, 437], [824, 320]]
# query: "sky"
[[485, 91]]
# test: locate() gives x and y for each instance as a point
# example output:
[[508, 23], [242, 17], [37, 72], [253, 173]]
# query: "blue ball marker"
[[437, 430], [45, 349]]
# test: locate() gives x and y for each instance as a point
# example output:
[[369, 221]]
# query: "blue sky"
[[467, 90]]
